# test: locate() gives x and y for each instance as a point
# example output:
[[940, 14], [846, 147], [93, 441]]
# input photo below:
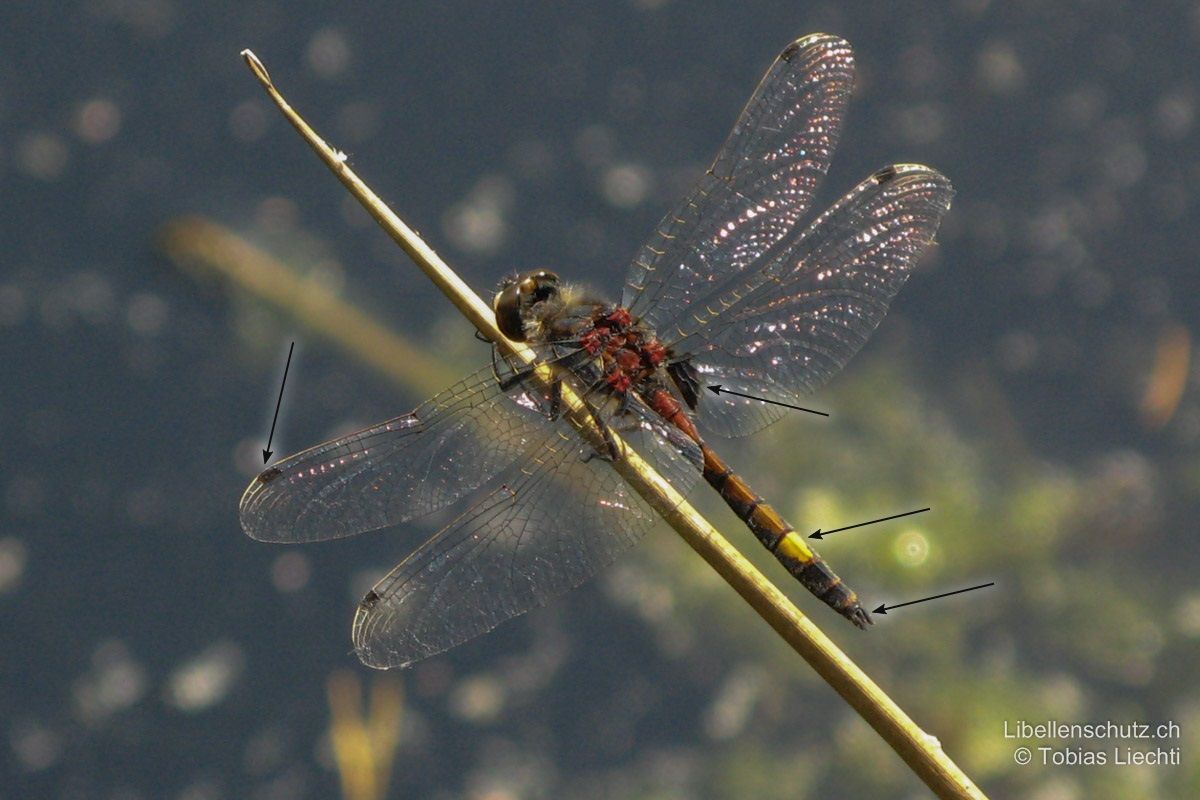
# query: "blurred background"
[[1034, 385]]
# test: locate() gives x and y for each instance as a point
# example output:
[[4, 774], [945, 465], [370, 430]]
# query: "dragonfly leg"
[[569, 362], [629, 420], [623, 408], [610, 452], [512, 380]]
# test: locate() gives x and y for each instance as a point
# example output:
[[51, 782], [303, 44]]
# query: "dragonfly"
[[736, 288]]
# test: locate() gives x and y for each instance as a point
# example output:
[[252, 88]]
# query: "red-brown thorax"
[[628, 351]]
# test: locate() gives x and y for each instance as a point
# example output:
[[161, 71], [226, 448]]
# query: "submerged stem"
[[923, 753]]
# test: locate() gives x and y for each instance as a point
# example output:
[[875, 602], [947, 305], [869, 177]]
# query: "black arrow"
[[818, 534], [267, 453], [883, 607], [716, 389]]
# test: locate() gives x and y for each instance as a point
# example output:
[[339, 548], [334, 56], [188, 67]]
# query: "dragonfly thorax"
[[627, 350], [536, 307]]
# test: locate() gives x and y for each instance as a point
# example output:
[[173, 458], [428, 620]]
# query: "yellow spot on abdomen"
[[793, 546]]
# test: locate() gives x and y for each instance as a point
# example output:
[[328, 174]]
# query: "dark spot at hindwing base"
[[789, 52], [687, 380]]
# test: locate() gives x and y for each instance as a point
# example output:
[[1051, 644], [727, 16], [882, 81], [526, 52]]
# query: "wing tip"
[[900, 170], [895, 172], [371, 648], [825, 41], [247, 504], [267, 475]]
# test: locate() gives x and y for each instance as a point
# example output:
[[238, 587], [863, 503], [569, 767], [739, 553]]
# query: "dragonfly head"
[[518, 294]]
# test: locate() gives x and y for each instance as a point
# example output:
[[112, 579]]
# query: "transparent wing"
[[796, 319], [559, 518], [395, 471], [759, 187]]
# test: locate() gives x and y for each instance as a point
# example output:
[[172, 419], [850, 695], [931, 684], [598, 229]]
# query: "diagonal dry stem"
[[201, 244], [922, 752]]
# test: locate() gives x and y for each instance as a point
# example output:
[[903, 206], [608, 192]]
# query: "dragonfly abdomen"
[[765, 522], [782, 540]]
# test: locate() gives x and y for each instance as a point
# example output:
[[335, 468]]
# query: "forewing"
[[561, 516], [759, 187], [392, 472], [798, 318]]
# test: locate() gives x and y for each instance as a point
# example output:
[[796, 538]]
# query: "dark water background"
[[149, 649]]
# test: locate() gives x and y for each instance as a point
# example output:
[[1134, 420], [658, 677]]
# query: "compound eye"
[[507, 306]]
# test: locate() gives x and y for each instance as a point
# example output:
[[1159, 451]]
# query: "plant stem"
[[193, 241]]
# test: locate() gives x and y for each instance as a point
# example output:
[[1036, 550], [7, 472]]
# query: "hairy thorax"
[[626, 355]]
